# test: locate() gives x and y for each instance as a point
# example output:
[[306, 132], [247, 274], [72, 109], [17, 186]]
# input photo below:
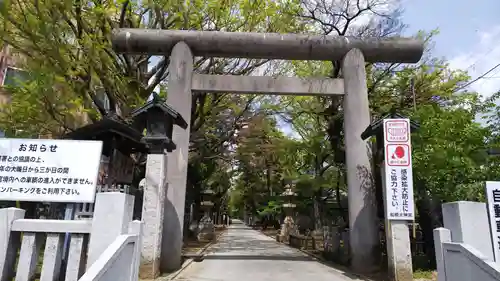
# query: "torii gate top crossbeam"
[[266, 45]]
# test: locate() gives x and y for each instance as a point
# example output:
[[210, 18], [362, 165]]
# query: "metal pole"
[[68, 215]]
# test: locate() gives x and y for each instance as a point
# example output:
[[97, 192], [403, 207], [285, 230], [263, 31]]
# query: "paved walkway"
[[244, 254]]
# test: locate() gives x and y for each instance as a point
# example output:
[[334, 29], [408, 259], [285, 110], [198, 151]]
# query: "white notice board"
[[44, 170], [398, 170]]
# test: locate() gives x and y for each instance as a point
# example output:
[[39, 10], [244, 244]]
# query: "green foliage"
[[449, 151], [272, 208], [65, 46]]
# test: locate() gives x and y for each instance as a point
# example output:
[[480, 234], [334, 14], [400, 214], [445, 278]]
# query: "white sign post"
[[493, 203], [44, 170], [398, 197], [398, 170]]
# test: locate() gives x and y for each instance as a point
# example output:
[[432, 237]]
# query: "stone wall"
[[336, 244]]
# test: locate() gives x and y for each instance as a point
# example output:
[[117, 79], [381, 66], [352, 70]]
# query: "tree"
[[74, 67], [449, 148], [265, 159], [450, 162], [77, 78], [306, 117]]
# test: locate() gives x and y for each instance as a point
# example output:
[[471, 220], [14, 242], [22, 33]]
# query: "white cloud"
[[379, 7], [484, 55], [287, 129]]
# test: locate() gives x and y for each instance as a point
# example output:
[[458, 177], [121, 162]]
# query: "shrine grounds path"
[[244, 254]]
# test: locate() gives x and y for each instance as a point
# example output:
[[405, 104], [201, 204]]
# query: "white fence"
[[86, 210], [104, 248], [464, 249], [461, 262]]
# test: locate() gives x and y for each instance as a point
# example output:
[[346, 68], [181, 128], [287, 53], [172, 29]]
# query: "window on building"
[[103, 97], [14, 76]]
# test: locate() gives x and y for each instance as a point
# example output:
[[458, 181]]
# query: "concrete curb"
[[328, 263], [191, 258]]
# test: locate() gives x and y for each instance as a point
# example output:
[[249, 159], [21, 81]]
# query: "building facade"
[[9, 73]]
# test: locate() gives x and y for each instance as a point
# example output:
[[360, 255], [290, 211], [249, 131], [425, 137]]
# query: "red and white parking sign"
[[398, 170]]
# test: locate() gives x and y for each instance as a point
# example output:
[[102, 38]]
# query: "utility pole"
[[412, 88]]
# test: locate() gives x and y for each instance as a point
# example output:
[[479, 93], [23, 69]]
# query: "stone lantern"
[[206, 226], [288, 226], [158, 119]]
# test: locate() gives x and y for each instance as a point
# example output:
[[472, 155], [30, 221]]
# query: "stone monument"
[[158, 119], [206, 229], [288, 227]]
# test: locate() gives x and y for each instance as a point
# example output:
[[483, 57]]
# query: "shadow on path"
[[253, 257]]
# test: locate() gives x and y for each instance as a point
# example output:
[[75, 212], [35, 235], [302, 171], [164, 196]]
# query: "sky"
[[469, 35]]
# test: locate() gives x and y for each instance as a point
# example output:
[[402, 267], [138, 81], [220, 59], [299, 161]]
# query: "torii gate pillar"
[[363, 222], [179, 97]]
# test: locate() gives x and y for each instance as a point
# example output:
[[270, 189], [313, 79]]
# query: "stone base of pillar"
[[206, 236], [318, 237], [287, 228], [278, 235], [153, 215], [399, 251], [328, 239], [193, 228], [149, 269], [317, 232]]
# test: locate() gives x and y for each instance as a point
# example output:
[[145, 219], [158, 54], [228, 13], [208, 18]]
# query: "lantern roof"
[[155, 102], [114, 132], [376, 127]]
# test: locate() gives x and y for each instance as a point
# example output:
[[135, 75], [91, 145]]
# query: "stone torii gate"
[[184, 45]]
